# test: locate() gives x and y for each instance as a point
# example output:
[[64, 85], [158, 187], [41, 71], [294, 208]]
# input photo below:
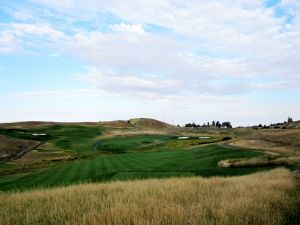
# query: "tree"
[[213, 123], [188, 125], [226, 124], [290, 119], [218, 124]]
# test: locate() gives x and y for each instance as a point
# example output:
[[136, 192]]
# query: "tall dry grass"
[[260, 161], [270, 147], [260, 198]]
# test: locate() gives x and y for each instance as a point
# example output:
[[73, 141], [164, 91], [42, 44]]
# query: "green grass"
[[124, 144], [194, 162], [83, 139], [60, 137], [6, 166], [191, 142]]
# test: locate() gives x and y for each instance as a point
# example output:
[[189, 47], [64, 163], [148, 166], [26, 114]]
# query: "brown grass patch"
[[261, 198], [12, 148], [285, 138], [36, 156], [35, 124], [260, 161], [268, 146]]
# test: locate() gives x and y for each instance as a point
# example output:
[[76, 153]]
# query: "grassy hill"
[[37, 124], [67, 141], [136, 122], [149, 123], [60, 137]]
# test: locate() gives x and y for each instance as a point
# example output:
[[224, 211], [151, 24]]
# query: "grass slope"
[[199, 161], [123, 144], [257, 199], [64, 143], [60, 137], [150, 142]]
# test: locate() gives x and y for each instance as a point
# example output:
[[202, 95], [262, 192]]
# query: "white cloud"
[[55, 55], [68, 95], [8, 43], [245, 37], [59, 4], [129, 85], [211, 50], [20, 29], [128, 28], [17, 37]]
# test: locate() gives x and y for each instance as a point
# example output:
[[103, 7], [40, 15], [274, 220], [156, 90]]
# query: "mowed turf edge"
[[200, 161]]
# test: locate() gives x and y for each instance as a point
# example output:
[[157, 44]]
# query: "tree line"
[[271, 126], [216, 124]]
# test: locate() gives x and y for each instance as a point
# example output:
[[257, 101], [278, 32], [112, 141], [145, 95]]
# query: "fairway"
[[201, 161], [59, 137], [124, 144]]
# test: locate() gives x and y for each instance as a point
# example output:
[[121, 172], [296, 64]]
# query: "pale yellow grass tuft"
[[260, 198], [260, 161], [267, 146]]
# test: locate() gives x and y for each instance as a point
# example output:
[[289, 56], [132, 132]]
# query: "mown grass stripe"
[[199, 161]]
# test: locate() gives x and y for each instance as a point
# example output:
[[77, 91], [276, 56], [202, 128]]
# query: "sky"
[[176, 61]]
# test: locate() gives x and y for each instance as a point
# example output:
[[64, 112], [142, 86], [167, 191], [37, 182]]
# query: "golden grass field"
[[258, 199]]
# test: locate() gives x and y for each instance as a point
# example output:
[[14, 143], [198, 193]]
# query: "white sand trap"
[[39, 134], [181, 138], [204, 137]]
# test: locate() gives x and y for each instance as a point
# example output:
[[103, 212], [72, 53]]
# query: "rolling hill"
[[135, 122]]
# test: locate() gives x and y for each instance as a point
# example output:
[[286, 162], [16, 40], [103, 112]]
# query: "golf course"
[[152, 112], [53, 157]]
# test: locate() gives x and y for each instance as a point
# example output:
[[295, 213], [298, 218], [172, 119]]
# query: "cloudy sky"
[[178, 61]]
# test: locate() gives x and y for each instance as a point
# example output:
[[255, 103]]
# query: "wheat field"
[[261, 198]]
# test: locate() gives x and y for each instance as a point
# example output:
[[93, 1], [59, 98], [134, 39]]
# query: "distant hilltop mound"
[[27, 124], [146, 122], [136, 122], [32, 124], [115, 123]]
